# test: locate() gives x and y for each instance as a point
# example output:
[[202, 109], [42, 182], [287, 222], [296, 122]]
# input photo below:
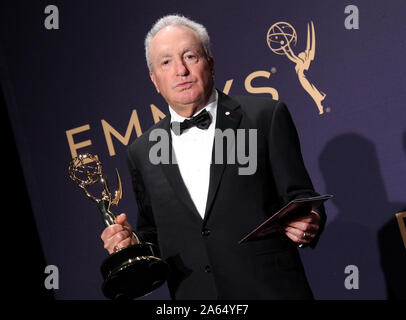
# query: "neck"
[[187, 111]]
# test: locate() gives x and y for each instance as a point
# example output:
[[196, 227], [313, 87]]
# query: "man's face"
[[182, 73]]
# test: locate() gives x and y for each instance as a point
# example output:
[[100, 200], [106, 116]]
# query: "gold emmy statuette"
[[130, 272], [280, 38]]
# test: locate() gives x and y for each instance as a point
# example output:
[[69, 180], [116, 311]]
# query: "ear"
[[153, 79], [211, 64]]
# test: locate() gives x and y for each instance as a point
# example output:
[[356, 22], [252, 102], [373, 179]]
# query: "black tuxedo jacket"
[[206, 261]]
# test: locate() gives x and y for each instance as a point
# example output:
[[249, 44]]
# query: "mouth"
[[184, 85]]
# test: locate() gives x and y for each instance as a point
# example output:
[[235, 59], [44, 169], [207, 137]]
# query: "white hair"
[[177, 20]]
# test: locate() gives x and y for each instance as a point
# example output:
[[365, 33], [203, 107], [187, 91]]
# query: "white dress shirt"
[[193, 152]]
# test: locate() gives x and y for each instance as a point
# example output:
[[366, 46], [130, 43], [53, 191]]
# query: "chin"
[[189, 96]]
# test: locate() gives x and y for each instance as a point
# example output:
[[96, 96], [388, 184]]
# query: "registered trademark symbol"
[[273, 70], [328, 109]]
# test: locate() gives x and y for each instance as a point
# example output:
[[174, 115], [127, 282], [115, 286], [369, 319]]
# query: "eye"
[[190, 57], [165, 62]]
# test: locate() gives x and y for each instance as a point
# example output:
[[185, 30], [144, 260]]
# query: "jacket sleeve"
[[291, 177], [145, 226]]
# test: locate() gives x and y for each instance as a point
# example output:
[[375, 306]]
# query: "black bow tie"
[[202, 121]]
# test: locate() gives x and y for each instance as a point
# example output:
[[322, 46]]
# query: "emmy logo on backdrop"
[[130, 272], [280, 38]]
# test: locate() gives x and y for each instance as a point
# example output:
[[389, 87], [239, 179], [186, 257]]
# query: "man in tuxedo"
[[197, 209]]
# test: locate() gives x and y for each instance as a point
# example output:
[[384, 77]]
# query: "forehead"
[[171, 39]]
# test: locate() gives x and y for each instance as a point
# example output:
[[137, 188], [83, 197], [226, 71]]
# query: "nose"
[[181, 69]]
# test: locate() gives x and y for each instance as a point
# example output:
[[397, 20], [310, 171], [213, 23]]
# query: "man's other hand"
[[303, 229]]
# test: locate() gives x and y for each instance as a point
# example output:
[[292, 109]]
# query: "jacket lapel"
[[228, 117]]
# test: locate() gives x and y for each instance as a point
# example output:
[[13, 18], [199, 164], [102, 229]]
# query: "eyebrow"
[[168, 55], [186, 50], [190, 49]]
